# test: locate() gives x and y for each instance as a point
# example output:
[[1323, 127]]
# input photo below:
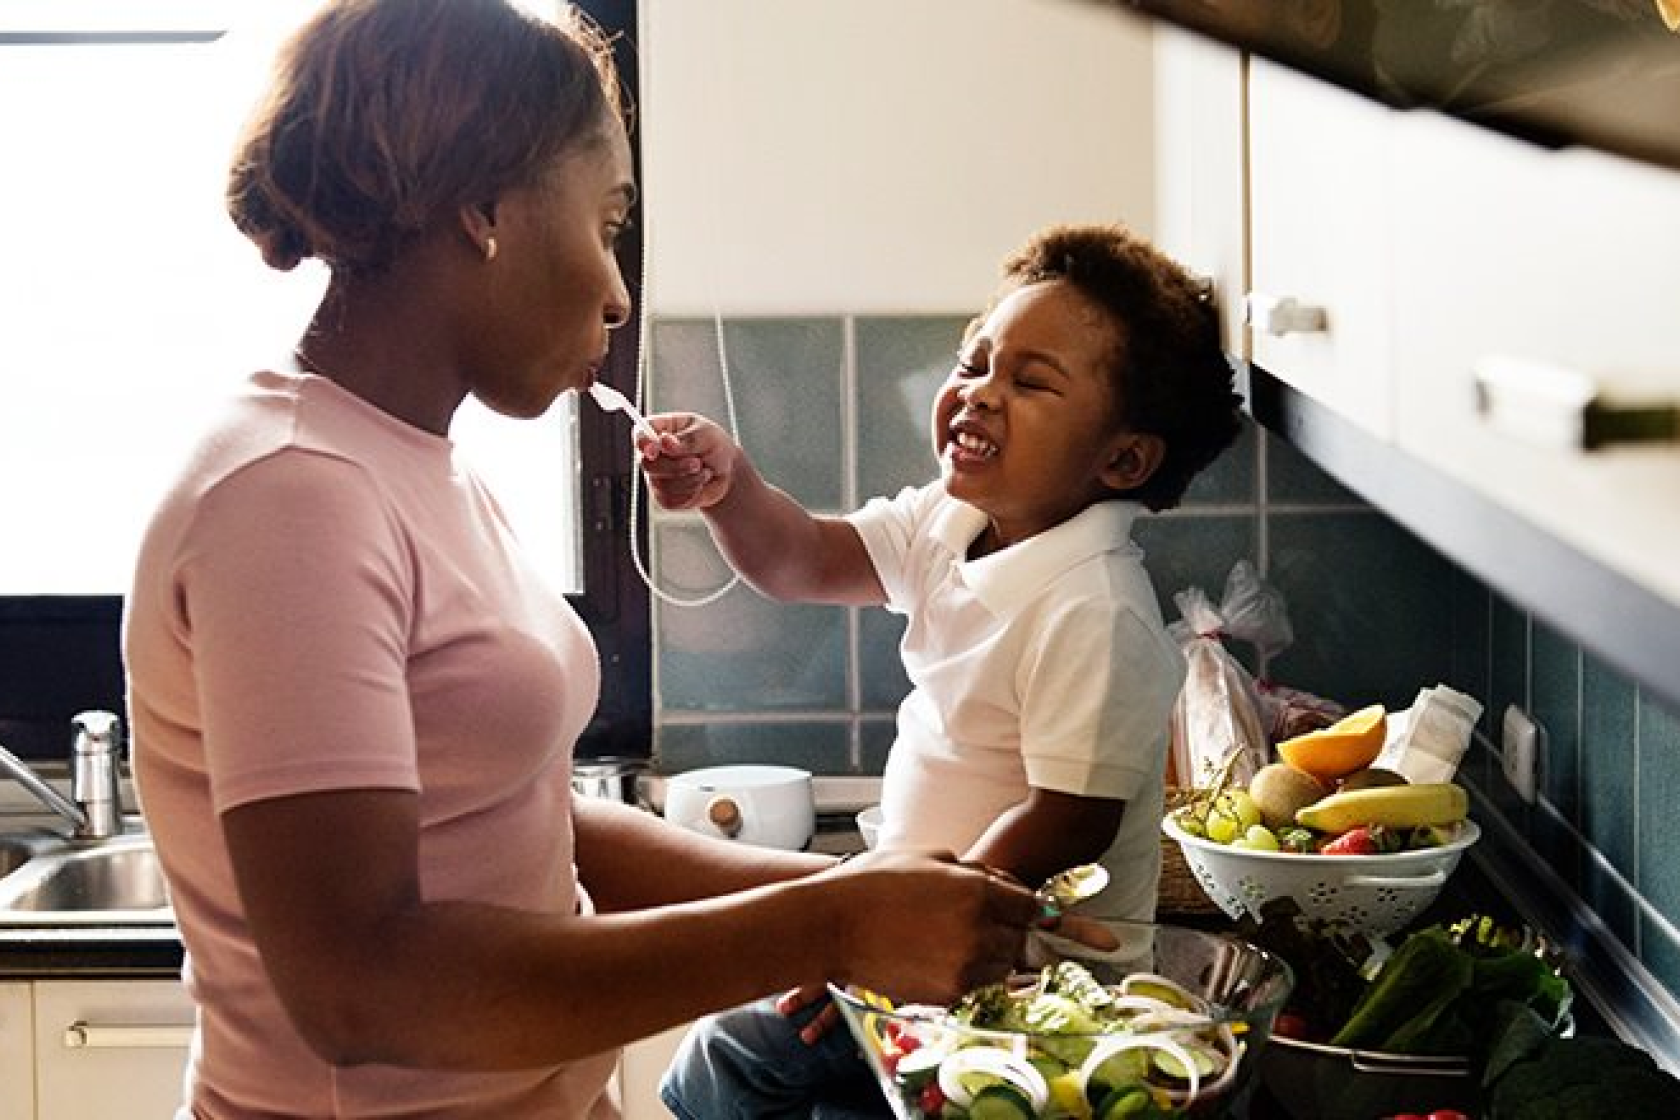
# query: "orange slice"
[[1333, 752], [1670, 12]]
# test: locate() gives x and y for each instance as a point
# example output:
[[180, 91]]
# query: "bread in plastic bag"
[[1216, 722]]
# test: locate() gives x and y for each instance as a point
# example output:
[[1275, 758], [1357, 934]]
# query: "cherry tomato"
[[1290, 1025]]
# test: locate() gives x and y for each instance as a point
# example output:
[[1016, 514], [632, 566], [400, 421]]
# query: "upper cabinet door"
[[1318, 312], [1199, 201], [1536, 326]]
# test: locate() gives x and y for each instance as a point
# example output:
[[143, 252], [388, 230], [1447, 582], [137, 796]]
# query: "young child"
[[1035, 734]]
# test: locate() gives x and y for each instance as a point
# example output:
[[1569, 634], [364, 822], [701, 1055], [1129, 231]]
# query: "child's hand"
[[691, 464], [819, 1024]]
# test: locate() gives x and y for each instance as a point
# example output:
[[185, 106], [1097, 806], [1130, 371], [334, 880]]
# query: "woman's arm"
[[630, 859], [370, 970]]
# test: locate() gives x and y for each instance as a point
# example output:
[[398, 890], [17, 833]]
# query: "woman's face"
[[556, 289], [1023, 425]]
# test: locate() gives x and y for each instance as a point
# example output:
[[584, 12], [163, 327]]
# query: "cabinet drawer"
[[115, 1048], [1518, 268], [1320, 198]]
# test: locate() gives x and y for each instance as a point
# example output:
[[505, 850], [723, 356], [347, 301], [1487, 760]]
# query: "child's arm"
[[777, 546], [1047, 833]]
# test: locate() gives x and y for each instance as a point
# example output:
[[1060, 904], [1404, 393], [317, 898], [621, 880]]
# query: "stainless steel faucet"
[[94, 807]]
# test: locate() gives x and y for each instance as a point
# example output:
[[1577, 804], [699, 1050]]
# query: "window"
[[131, 305]]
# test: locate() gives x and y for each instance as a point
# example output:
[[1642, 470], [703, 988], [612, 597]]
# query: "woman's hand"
[[691, 465], [924, 928]]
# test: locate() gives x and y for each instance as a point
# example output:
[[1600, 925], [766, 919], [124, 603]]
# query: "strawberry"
[[1359, 841]]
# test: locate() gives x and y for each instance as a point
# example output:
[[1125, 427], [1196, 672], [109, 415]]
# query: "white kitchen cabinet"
[[1200, 178], [1515, 269], [17, 1051], [1320, 164], [109, 1048]]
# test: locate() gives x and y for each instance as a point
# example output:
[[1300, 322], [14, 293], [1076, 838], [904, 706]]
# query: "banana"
[[1390, 806]]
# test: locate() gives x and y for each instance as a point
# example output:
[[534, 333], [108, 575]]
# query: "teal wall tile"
[[818, 746], [1659, 800], [1469, 667], [901, 362], [1233, 478], [1555, 696], [1369, 604], [875, 740], [1292, 478], [881, 677], [1607, 764], [1182, 551], [742, 653], [787, 378]]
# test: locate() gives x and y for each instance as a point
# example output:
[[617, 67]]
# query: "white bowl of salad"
[[1170, 1025]]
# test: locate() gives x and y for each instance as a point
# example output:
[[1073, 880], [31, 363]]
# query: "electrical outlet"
[[1520, 744]]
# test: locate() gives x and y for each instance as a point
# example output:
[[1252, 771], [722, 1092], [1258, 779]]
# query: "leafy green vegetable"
[[1567, 1078], [1403, 1007]]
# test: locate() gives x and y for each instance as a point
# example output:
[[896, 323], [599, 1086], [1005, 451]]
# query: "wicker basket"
[[1181, 894]]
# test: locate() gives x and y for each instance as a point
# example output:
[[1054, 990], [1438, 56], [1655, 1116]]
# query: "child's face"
[[1023, 426]]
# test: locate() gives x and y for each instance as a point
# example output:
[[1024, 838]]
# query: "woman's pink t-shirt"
[[327, 599]]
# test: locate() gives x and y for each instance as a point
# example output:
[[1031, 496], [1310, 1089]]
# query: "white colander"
[[1375, 894]]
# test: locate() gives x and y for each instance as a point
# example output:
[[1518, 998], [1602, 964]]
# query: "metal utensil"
[[1065, 888], [611, 400]]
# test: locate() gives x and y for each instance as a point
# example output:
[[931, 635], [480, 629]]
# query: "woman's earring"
[[490, 248]]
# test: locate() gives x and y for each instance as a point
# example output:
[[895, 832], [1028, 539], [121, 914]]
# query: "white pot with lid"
[[771, 806]]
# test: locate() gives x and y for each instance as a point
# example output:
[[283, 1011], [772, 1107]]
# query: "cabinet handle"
[[82, 1035], [1567, 409], [1281, 315]]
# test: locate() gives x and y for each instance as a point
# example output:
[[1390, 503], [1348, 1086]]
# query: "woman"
[[354, 705]]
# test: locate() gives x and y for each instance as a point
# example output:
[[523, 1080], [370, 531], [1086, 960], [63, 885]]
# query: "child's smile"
[[1023, 425]]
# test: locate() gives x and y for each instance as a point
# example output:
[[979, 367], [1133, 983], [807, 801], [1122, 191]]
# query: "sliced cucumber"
[[1129, 1102], [1168, 1065], [1119, 1070], [1000, 1102]]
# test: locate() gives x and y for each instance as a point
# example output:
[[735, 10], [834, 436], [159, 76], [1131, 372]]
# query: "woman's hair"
[[384, 115], [1170, 375]]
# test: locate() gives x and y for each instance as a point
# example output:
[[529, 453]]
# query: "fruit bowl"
[[1169, 1025], [1374, 894]]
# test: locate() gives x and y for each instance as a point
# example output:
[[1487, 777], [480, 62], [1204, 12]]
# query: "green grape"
[[1243, 807], [1222, 827], [1259, 838]]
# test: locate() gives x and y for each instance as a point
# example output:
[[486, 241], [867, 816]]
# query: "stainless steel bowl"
[[615, 779]]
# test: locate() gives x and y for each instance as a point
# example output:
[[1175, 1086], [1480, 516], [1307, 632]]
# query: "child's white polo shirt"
[[1045, 664]]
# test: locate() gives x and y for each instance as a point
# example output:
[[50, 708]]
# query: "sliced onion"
[[1001, 1064], [1107, 1050]]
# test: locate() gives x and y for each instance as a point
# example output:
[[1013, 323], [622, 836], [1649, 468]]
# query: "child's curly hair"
[[1171, 376]]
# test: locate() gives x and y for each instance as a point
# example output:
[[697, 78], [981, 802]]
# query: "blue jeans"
[[751, 1064]]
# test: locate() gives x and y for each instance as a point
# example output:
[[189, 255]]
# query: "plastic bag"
[[1217, 723]]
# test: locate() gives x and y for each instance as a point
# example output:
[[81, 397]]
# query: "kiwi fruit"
[[1279, 789]]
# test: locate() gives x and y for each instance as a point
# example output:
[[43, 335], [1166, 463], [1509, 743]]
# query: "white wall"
[[814, 156]]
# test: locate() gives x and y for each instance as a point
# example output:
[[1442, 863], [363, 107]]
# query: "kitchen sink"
[[18, 848], [109, 882]]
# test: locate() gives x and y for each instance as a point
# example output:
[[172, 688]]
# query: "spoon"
[[611, 400], [1075, 884]]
